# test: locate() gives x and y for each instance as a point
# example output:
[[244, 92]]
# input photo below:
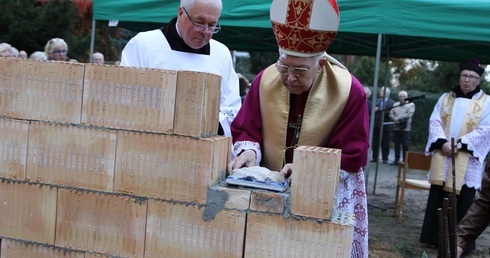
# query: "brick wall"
[[104, 161]]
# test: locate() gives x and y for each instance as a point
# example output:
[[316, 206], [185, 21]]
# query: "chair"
[[413, 160]]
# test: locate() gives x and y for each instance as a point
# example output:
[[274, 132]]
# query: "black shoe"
[[395, 163], [385, 161], [373, 160]]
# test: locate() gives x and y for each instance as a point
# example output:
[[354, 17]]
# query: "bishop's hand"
[[287, 171], [247, 158]]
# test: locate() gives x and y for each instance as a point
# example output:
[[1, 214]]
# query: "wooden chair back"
[[413, 160], [417, 160]]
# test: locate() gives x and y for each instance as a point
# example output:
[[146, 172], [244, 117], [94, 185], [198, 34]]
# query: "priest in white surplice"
[[185, 44], [463, 114]]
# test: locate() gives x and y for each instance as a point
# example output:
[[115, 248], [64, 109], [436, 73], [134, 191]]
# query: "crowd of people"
[[308, 98], [461, 115], [391, 117], [56, 49]]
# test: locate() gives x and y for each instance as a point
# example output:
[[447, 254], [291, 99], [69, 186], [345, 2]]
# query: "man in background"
[[185, 44], [381, 117], [401, 114], [22, 54], [98, 58]]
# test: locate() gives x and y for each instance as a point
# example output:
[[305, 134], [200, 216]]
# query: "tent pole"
[[375, 96], [92, 40], [380, 138]]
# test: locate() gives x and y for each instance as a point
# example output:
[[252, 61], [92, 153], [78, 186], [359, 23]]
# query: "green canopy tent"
[[445, 30]]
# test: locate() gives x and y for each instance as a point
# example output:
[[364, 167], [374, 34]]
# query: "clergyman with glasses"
[[307, 98], [186, 43], [462, 114]]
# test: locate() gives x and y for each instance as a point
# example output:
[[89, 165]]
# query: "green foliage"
[[18, 23], [419, 73], [261, 60], [406, 250], [420, 120], [363, 68], [446, 75], [242, 66], [28, 25], [485, 85], [430, 76]]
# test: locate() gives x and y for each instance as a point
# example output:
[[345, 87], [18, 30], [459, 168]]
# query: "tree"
[[429, 76], [363, 68], [261, 60], [28, 25]]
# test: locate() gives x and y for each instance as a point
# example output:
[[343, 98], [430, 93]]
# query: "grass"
[[408, 251]]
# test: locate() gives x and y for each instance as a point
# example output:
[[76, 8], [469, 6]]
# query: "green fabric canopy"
[[446, 30]]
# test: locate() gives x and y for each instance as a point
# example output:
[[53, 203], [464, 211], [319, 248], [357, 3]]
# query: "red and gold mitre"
[[304, 27]]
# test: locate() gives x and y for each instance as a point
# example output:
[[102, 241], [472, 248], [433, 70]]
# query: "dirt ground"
[[387, 237]]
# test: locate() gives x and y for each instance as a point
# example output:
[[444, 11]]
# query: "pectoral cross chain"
[[297, 128]]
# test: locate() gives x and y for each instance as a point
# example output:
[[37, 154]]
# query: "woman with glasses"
[[307, 98], [186, 43], [462, 114], [56, 49]]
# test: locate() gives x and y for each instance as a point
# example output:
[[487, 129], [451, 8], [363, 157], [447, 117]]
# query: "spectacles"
[[297, 71], [199, 27], [469, 77], [60, 51]]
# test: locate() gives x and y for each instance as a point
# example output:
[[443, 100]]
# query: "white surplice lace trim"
[[240, 146]]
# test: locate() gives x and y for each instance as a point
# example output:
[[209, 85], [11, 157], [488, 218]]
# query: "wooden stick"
[[452, 226], [441, 248], [453, 221], [445, 212]]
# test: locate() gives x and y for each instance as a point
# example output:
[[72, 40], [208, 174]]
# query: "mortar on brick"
[[268, 201], [22, 248], [215, 202], [238, 199]]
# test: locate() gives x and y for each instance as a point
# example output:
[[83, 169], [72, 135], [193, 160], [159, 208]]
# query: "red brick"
[[129, 98], [221, 156], [314, 181], [170, 167], [178, 230], [28, 211], [275, 236], [50, 91], [71, 156], [197, 104], [103, 223], [268, 201], [13, 148]]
